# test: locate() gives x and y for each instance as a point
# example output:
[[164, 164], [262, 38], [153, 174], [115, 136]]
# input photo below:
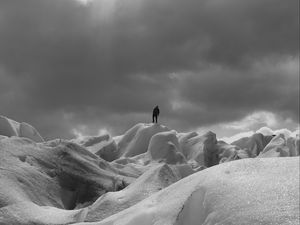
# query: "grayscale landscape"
[[149, 112]]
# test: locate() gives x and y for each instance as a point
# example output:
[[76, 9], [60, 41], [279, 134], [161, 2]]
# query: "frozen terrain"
[[9, 128], [150, 175]]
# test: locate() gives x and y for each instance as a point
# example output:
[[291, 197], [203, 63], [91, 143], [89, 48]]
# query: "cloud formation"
[[105, 64]]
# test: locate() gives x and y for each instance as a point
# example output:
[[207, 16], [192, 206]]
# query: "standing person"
[[155, 114]]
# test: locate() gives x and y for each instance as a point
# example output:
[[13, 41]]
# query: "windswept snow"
[[155, 179], [151, 175], [250, 191], [27, 213]]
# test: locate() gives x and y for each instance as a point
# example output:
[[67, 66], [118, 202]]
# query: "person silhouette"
[[155, 114]]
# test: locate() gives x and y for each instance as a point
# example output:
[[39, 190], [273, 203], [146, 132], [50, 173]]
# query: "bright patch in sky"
[[84, 2], [83, 131], [264, 118]]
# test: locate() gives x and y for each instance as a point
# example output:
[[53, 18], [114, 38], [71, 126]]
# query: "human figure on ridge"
[[155, 114]]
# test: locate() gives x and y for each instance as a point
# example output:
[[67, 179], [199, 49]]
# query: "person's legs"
[[152, 118], [155, 118]]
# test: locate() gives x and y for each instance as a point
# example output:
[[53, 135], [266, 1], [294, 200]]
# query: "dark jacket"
[[156, 111]]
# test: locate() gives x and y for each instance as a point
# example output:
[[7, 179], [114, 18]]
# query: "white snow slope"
[[151, 175], [249, 191]]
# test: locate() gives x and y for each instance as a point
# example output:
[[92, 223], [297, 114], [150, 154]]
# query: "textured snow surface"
[[155, 179], [249, 191], [39, 181], [149, 175]]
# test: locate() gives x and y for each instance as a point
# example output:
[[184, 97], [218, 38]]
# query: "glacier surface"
[[150, 175]]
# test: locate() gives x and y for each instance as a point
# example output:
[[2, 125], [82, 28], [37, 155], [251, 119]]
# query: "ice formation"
[[151, 175], [9, 128], [201, 149], [103, 146], [281, 146], [43, 176], [136, 140], [256, 143], [164, 146]]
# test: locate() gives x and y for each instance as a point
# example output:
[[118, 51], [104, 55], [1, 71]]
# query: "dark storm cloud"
[[229, 94], [64, 64]]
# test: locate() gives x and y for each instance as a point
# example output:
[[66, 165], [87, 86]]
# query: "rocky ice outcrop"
[[200, 149], [254, 144], [279, 146], [259, 145], [136, 140], [228, 152], [293, 143], [9, 128], [103, 146], [164, 146]]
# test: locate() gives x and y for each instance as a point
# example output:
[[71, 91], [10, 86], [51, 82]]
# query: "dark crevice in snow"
[[76, 192]]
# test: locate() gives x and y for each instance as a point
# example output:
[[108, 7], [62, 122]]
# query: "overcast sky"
[[69, 66]]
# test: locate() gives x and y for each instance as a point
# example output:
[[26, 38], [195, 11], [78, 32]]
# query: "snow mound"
[[10, 128], [164, 146], [248, 191], [153, 180], [279, 146], [136, 140], [200, 149], [27, 213], [3, 137]]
